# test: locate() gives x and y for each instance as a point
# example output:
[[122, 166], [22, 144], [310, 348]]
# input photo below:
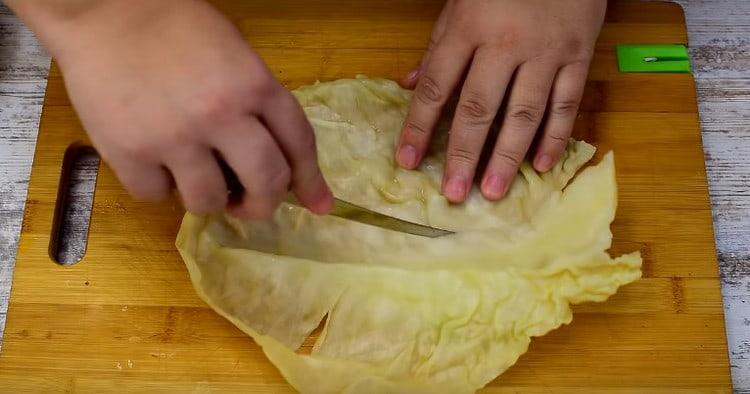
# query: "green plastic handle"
[[650, 58]]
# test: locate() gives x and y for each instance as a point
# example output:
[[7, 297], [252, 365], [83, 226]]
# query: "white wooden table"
[[720, 49]]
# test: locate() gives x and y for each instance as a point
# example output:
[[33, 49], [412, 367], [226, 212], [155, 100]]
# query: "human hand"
[[534, 54], [166, 88]]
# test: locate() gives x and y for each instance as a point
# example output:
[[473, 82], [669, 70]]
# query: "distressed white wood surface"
[[719, 33], [23, 79]]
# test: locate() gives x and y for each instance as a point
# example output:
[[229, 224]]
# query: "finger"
[[143, 181], [198, 179], [565, 98], [410, 81], [442, 73], [526, 104], [252, 153], [288, 124], [480, 99]]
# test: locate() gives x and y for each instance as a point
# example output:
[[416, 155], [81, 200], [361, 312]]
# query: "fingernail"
[[325, 202], [413, 74], [543, 163], [407, 156], [321, 202], [494, 187], [455, 189]]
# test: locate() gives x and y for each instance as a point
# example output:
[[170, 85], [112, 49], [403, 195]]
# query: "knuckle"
[[579, 48], [549, 43], [278, 180], [475, 110], [212, 105], [267, 85], [526, 113], [428, 91], [509, 158], [558, 137], [264, 88], [507, 39], [462, 155], [415, 128], [574, 45], [564, 107]]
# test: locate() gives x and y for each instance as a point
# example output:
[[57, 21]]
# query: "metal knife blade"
[[344, 209], [349, 211]]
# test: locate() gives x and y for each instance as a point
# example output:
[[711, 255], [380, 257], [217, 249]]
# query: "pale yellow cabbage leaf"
[[405, 313]]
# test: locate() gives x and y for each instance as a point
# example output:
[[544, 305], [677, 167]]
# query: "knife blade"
[[349, 211], [343, 209]]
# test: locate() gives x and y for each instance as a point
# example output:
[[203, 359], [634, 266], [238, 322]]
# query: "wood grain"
[[651, 18]]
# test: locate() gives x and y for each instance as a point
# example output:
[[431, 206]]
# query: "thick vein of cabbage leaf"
[[406, 313]]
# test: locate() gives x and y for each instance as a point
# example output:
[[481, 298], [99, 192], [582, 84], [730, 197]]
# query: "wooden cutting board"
[[126, 318]]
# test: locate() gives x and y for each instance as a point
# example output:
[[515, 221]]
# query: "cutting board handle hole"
[[75, 197]]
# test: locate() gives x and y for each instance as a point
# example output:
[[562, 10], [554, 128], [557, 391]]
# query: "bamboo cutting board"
[[126, 318]]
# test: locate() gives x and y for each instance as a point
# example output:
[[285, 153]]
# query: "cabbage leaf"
[[403, 313]]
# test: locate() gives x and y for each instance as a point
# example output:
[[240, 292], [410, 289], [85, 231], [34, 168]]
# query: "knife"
[[343, 209]]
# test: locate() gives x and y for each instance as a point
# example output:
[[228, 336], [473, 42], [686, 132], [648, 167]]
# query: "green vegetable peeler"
[[653, 58]]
